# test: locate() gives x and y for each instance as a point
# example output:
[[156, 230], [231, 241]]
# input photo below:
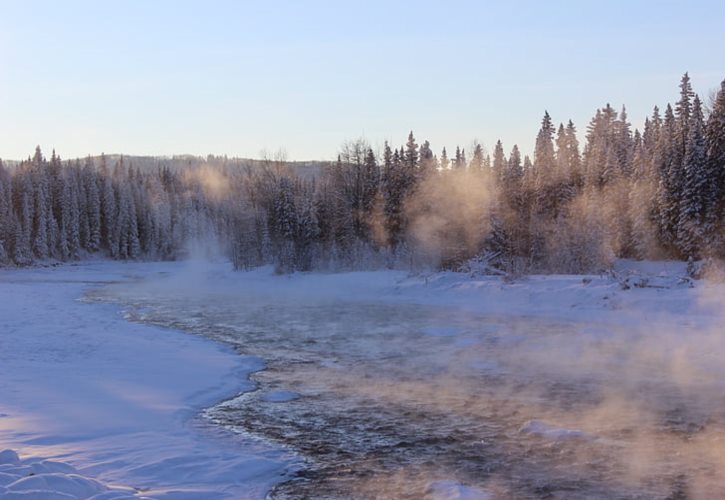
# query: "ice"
[[83, 390], [37, 495], [542, 429], [69, 484], [452, 490], [560, 385]]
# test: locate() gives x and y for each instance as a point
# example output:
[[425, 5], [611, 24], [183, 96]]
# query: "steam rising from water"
[[453, 210], [394, 399]]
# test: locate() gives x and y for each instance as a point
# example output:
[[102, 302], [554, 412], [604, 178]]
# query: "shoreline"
[[121, 402]]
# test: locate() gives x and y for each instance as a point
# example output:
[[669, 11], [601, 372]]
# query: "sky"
[[243, 78]]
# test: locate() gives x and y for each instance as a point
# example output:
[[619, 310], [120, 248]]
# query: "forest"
[[571, 207]]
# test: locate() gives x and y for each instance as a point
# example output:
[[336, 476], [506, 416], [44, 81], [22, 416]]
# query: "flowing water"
[[390, 400]]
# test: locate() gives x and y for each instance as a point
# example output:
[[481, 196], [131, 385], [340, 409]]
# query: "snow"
[[452, 490], [95, 406], [117, 401]]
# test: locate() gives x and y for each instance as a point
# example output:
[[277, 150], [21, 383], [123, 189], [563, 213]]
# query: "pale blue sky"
[[237, 77]]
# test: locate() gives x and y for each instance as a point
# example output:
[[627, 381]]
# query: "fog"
[[394, 392]]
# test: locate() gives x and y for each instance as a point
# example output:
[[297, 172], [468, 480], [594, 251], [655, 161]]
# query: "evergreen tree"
[[499, 161], [622, 144], [714, 224], [411, 154], [695, 186], [477, 159], [427, 161], [544, 170], [93, 206], [668, 190], [544, 157], [573, 157], [459, 162], [445, 162], [109, 214], [683, 111], [5, 215]]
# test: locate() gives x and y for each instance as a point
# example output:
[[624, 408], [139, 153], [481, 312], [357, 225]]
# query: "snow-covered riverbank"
[[117, 400]]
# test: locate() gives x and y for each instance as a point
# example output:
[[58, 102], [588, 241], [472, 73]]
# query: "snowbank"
[[90, 399]]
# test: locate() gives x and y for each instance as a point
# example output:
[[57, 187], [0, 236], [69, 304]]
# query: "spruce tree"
[[695, 186], [714, 225], [411, 154], [683, 110], [477, 159], [544, 157], [445, 162], [458, 161], [668, 192], [427, 161]]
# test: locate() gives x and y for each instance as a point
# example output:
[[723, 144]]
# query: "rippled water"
[[384, 399]]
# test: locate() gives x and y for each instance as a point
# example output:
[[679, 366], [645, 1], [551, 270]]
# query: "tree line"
[[654, 193], [63, 211]]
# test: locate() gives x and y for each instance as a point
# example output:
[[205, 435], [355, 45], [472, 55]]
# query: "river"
[[406, 400]]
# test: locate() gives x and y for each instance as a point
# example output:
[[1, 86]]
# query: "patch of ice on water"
[[453, 490], [542, 429]]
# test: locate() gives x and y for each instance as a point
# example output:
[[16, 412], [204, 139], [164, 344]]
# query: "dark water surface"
[[383, 400]]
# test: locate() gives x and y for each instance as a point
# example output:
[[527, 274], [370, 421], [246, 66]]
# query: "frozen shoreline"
[[116, 400]]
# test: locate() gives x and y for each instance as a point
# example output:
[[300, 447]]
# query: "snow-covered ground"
[[119, 400], [113, 400]]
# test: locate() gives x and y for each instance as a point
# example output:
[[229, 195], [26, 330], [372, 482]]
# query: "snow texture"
[[94, 406], [85, 394]]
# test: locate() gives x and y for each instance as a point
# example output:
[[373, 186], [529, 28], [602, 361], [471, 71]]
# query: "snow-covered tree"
[[695, 187]]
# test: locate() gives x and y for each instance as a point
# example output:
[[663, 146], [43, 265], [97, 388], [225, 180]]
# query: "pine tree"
[[573, 157], [477, 159], [23, 222], [695, 186], [544, 157], [134, 243], [393, 198], [40, 226], [427, 161], [371, 182], [622, 143], [714, 224], [445, 162], [459, 160], [411, 154], [93, 206], [109, 211], [499, 161], [5, 215], [544, 169], [668, 190], [683, 111], [308, 230]]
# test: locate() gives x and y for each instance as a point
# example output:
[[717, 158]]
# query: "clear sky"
[[238, 77]]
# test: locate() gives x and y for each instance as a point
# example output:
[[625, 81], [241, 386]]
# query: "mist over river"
[[400, 399]]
